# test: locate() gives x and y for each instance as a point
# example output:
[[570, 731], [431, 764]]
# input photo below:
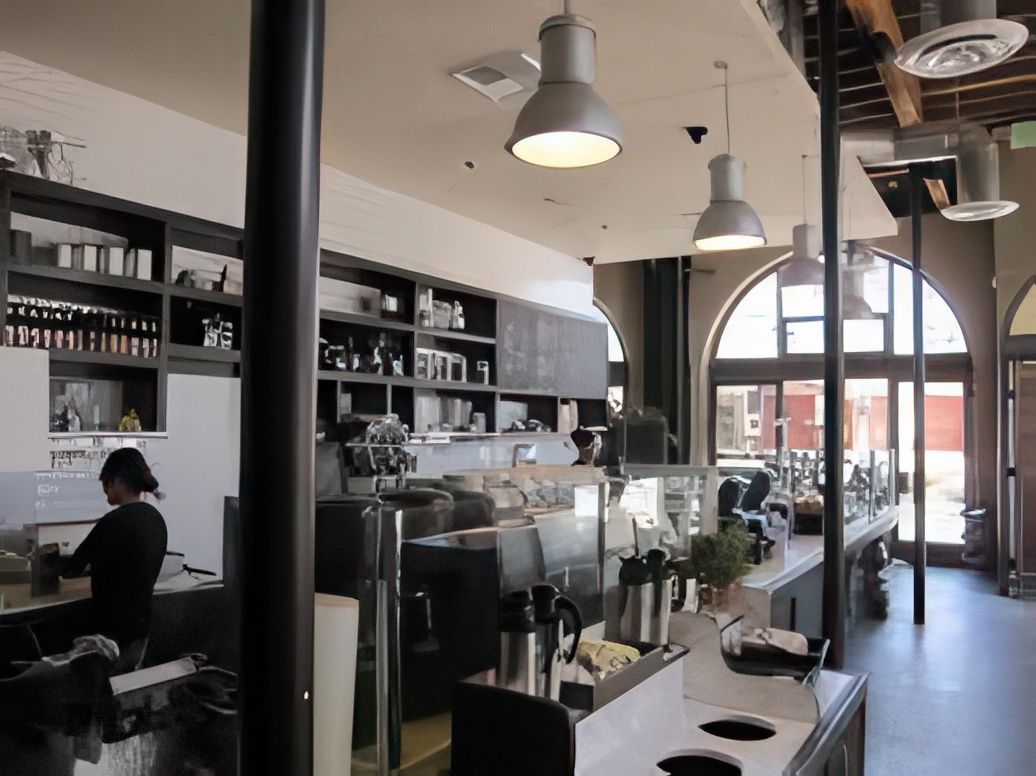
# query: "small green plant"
[[719, 559]]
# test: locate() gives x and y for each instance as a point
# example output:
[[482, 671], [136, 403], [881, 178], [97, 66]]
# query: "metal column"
[[834, 601], [920, 547], [278, 385]]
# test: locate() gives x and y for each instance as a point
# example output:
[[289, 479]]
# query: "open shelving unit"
[[498, 330]]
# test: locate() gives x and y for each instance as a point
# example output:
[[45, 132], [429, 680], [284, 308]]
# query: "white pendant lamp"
[[804, 268], [728, 223], [566, 124]]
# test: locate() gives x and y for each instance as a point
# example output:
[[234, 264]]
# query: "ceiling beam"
[[878, 16]]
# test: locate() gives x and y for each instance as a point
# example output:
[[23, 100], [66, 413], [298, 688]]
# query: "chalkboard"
[[554, 354], [583, 368]]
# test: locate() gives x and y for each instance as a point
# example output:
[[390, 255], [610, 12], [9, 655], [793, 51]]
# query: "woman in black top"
[[124, 551]]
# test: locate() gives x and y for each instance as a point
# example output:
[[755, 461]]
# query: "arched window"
[[771, 321], [618, 372], [766, 374]]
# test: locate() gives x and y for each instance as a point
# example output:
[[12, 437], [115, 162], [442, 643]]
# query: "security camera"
[[697, 133]]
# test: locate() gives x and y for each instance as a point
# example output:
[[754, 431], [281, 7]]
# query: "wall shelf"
[[518, 339], [102, 359], [89, 278], [455, 335], [204, 295], [358, 319], [199, 353]]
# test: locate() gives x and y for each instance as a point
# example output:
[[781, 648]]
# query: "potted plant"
[[719, 561]]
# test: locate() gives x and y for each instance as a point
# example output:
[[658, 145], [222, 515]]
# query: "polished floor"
[[955, 697]]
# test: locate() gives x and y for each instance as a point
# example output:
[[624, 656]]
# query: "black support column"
[[920, 546], [834, 601], [278, 385], [666, 368]]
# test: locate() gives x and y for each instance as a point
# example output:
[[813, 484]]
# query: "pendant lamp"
[[728, 223], [566, 124], [804, 268]]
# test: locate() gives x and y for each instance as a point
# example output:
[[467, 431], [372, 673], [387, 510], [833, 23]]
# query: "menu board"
[[66, 496]]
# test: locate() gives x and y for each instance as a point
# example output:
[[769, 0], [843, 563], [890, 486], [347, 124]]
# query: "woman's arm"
[[81, 558]]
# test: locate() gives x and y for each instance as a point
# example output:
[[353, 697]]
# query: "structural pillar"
[[920, 546], [278, 386], [834, 599]]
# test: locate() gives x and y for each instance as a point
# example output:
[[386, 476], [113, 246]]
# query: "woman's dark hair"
[[128, 465]]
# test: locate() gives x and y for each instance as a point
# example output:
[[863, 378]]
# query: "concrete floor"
[[955, 697]]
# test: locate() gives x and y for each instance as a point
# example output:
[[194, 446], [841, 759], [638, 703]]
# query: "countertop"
[[18, 598], [632, 737], [807, 552]]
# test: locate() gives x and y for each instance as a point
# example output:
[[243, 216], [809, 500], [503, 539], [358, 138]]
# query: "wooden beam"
[[878, 16], [937, 190]]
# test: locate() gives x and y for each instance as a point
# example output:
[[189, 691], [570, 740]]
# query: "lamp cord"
[[567, 8], [726, 100], [804, 188]]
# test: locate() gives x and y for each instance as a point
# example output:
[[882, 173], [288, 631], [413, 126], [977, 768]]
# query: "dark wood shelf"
[[455, 335], [359, 377], [359, 319], [102, 359], [449, 385], [89, 278], [199, 353], [204, 295]]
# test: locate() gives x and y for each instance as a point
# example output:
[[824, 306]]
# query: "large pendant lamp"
[[566, 124], [728, 223]]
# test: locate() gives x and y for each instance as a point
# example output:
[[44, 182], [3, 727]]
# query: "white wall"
[[144, 152], [197, 464]]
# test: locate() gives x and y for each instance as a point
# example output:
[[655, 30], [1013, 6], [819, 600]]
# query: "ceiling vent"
[[959, 37], [502, 75]]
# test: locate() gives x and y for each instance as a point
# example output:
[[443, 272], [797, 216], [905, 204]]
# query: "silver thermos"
[[517, 643], [533, 626], [645, 598]]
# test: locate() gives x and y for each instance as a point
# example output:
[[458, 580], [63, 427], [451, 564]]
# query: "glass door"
[[945, 474]]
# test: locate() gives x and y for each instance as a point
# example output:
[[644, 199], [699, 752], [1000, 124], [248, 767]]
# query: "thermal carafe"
[[645, 598], [517, 643], [533, 626], [556, 617]]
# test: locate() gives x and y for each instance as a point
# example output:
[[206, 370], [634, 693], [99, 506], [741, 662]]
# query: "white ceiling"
[[393, 115]]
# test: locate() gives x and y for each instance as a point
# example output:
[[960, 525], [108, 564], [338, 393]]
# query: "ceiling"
[[394, 117], [999, 96]]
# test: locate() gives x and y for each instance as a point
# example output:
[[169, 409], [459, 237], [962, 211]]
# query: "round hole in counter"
[[740, 729], [700, 764]]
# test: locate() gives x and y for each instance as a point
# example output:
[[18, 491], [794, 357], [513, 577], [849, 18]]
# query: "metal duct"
[[976, 153]]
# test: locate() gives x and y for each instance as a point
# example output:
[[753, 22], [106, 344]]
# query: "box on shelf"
[[115, 259], [90, 253], [139, 259]]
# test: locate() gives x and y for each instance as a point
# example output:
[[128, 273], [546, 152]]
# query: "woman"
[[124, 551]]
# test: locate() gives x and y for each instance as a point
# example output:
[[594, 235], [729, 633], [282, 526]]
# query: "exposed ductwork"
[[959, 37], [976, 154]]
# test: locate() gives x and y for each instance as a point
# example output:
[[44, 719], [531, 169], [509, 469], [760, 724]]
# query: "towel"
[[789, 641]]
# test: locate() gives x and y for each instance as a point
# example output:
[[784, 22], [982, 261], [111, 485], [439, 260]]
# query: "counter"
[[786, 593]]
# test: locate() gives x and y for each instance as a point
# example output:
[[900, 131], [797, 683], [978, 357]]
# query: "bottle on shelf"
[[351, 358]]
